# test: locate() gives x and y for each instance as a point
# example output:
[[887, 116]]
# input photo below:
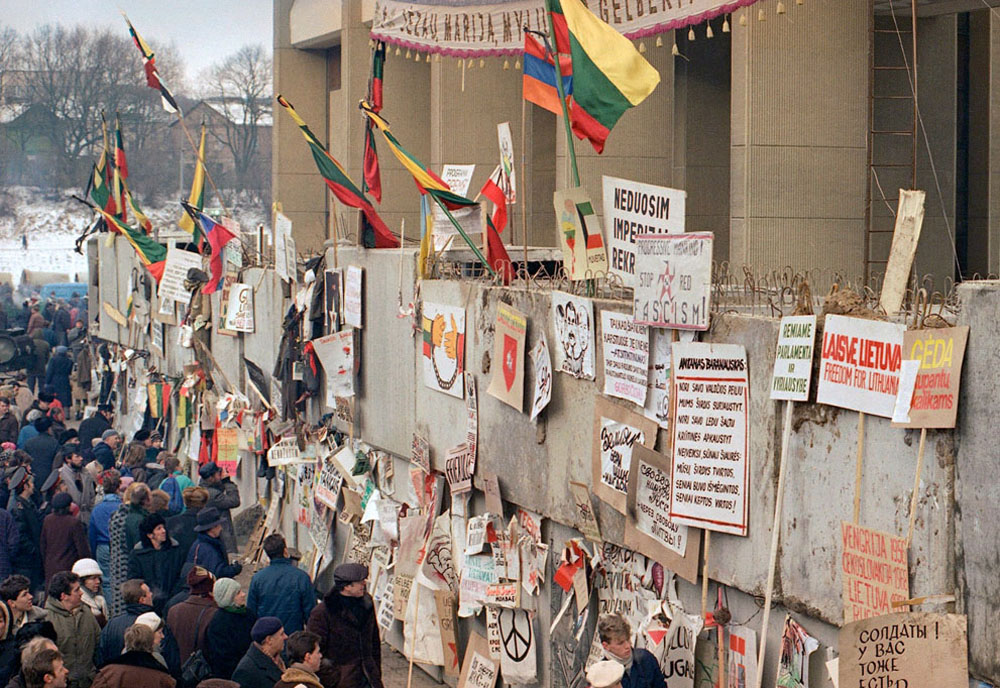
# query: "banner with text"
[[859, 365], [632, 208]]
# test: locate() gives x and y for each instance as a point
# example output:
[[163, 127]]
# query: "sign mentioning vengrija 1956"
[[673, 280]]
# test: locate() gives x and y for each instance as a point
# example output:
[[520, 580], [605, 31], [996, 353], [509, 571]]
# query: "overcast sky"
[[203, 30]]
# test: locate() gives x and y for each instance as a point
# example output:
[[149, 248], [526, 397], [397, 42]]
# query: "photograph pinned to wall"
[[579, 232], [673, 280], [508, 176], [239, 315], [353, 296], [616, 431], [444, 348], [542, 365], [625, 350], [573, 322], [507, 383], [648, 528], [796, 646], [333, 296], [336, 353]]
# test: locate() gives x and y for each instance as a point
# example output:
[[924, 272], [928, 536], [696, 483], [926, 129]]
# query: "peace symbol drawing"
[[515, 633]]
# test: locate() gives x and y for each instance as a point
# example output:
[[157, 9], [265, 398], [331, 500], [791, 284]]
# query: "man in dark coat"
[[42, 448], [224, 495], [281, 589], [228, 636], [57, 373], [64, 538], [188, 620], [208, 550], [262, 666], [93, 427], [9, 537], [137, 666], [156, 559], [346, 625], [104, 451], [79, 483], [181, 526], [9, 427], [138, 601], [28, 560]]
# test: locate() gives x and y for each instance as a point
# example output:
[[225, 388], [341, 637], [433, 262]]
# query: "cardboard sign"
[[913, 649], [504, 595], [336, 353], [333, 297], [859, 365], [616, 431], [710, 480], [573, 322], [229, 444], [905, 237], [175, 271], [579, 234], [508, 176], [478, 669], [507, 383], [518, 646], [793, 358], [874, 570], [632, 208], [472, 220], [420, 453], [239, 315], [648, 527], [673, 280], [443, 351], [934, 403], [587, 523], [625, 346], [542, 365], [401, 587], [328, 487], [353, 302], [459, 465], [445, 603]]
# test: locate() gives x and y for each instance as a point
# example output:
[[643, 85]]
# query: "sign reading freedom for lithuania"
[[631, 209], [793, 358], [860, 364], [673, 280], [711, 464]]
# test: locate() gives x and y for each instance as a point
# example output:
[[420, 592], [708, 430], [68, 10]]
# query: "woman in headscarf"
[[57, 374], [227, 638]]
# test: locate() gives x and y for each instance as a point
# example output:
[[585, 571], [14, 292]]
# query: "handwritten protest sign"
[[175, 271], [503, 595], [673, 280], [585, 512], [478, 669], [459, 466], [229, 455], [445, 607], [793, 358], [478, 573], [420, 453], [907, 650], [648, 528], [711, 440], [507, 383], [518, 645], [471, 414], [336, 353], [632, 208], [443, 350], [616, 431], [542, 365], [579, 233], [874, 570], [626, 357], [658, 383], [941, 353], [285, 452], [239, 314], [859, 365], [328, 487], [352, 296], [573, 322]]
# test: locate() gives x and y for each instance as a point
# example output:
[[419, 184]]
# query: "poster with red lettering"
[[874, 570], [935, 394], [860, 363]]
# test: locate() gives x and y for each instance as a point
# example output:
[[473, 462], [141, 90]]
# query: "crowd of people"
[[117, 570]]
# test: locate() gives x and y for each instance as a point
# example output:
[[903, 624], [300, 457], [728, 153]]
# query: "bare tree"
[[10, 44], [239, 88]]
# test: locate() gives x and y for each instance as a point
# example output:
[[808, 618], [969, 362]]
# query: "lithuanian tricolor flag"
[[609, 74], [159, 399], [196, 199], [152, 254], [99, 184], [340, 184]]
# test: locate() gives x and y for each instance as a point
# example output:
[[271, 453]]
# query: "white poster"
[[282, 235], [632, 208], [336, 353], [673, 280], [477, 574], [625, 345], [472, 220], [542, 365], [793, 358], [518, 646], [741, 669], [353, 296], [658, 385], [709, 486], [859, 365], [175, 271], [424, 645], [239, 315], [508, 182], [573, 322], [443, 350]]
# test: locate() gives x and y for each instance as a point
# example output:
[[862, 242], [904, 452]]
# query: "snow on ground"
[[52, 221]]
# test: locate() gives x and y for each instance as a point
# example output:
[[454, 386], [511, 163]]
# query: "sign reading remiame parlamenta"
[[632, 208], [793, 358], [906, 650]]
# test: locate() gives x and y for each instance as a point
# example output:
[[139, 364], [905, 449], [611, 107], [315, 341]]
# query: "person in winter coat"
[[90, 582], [105, 451], [138, 600], [9, 538], [77, 630], [28, 560], [36, 321], [224, 495], [262, 666], [349, 638], [189, 620], [181, 526], [28, 427], [208, 550], [42, 448], [64, 538], [123, 532], [137, 666], [174, 484], [156, 559], [306, 658], [80, 483], [228, 636], [97, 529], [641, 670], [15, 594], [164, 644], [36, 375], [93, 428], [9, 427], [57, 373], [25, 652], [281, 589]]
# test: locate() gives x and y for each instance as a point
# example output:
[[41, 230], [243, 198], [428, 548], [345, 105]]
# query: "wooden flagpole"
[[562, 96]]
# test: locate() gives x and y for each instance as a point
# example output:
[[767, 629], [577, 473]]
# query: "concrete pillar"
[[994, 146], [799, 128], [300, 76]]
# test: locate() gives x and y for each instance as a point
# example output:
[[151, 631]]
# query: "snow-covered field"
[[52, 224]]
